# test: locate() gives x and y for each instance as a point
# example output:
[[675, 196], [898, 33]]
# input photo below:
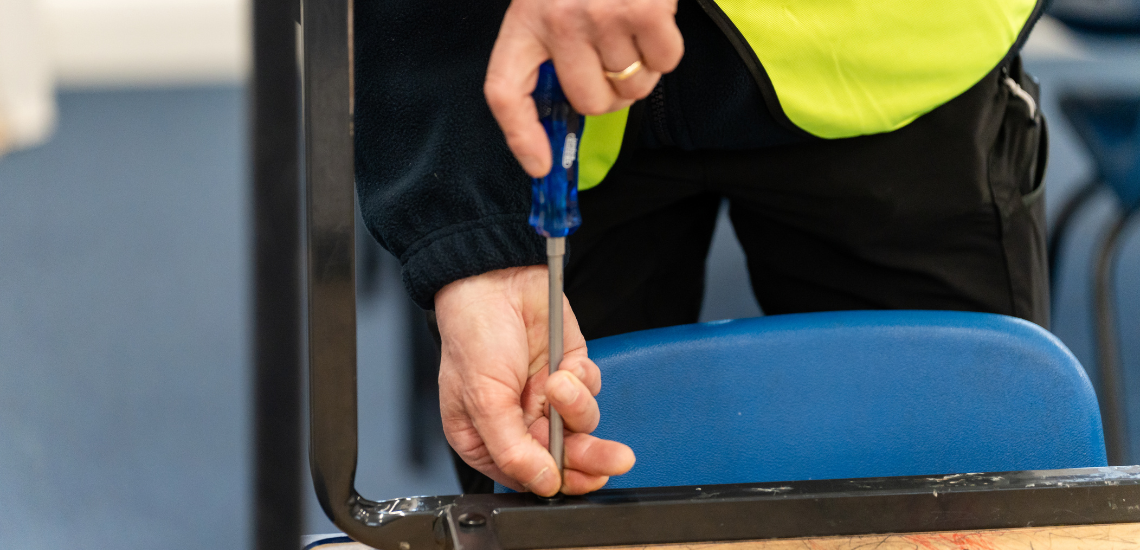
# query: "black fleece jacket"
[[438, 186]]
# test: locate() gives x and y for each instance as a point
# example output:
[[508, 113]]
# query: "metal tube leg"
[[276, 203]]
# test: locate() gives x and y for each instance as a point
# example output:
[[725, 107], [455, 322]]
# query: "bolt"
[[405, 546], [472, 520]]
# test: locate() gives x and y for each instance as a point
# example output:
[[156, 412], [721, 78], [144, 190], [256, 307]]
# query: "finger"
[[598, 457], [585, 370], [660, 43], [467, 443], [578, 483], [498, 417], [511, 76], [590, 461], [638, 86], [498, 476], [618, 52], [575, 358], [570, 397], [575, 481], [582, 78]]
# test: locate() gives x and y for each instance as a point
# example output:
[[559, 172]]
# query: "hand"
[[494, 388], [584, 38]]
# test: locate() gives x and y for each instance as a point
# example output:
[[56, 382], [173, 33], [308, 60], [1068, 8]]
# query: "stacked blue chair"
[[1092, 245], [1095, 238], [843, 395]]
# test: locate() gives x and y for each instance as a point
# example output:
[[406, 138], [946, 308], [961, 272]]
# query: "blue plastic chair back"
[[844, 395]]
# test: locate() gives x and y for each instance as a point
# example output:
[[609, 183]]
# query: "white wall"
[[147, 43], [140, 43]]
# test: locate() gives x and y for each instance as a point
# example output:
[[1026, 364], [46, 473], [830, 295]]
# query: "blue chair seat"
[[845, 395]]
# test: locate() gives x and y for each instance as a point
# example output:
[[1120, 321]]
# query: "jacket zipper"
[[657, 114], [759, 74]]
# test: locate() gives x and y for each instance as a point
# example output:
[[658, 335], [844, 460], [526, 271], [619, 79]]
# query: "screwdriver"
[[554, 212]]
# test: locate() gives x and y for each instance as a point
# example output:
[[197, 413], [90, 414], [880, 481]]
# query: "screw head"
[[405, 546], [472, 520]]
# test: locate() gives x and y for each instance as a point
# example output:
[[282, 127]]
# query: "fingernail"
[[563, 390]]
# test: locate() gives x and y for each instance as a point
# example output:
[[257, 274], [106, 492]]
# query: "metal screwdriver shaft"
[[554, 213], [555, 249]]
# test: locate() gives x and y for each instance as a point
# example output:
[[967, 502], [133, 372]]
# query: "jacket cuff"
[[471, 248]]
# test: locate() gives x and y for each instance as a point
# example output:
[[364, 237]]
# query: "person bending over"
[[874, 155]]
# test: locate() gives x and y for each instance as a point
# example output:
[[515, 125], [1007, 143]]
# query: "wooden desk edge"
[[1112, 536]]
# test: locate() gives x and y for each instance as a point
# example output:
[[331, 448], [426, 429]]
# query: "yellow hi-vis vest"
[[846, 68]]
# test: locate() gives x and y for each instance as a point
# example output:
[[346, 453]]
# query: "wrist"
[[512, 283]]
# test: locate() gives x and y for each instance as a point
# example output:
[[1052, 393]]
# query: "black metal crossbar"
[[717, 513]]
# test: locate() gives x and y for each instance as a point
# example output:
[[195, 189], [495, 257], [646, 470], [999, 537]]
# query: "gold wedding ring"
[[624, 73]]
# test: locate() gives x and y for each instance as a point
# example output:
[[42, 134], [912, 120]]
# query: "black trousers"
[[945, 213]]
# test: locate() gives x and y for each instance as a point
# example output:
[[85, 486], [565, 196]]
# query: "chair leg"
[[423, 412], [1108, 350], [1064, 218]]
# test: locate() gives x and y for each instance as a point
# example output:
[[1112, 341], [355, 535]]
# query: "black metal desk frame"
[[636, 516]]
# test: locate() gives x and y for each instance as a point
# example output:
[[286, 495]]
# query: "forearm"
[[438, 186]]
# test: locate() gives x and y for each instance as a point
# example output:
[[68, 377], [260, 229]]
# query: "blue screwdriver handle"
[[554, 197]]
